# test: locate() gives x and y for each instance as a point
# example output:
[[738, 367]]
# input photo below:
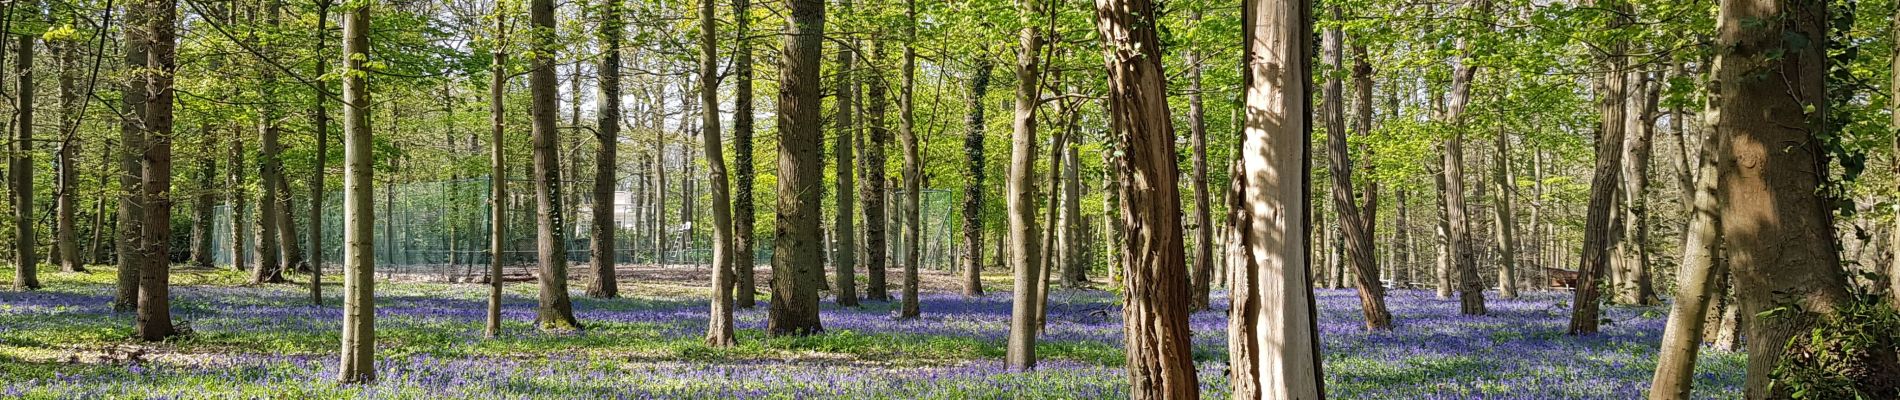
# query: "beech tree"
[[607, 133], [359, 212], [719, 326], [1273, 331], [556, 312], [1025, 252], [797, 258]]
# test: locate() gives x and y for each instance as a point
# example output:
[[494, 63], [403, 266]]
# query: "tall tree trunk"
[[1637, 147], [1470, 287], [1357, 235], [239, 198], [1073, 270], [269, 267], [72, 114], [913, 165], [1698, 281], [797, 258], [155, 166], [744, 261], [1160, 363], [320, 117], [975, 167], [1442, 271], [202, 201], [606, 284], [719, 323], [1504, 217], [25, 248], [1777, 225], [1112, 201], [497, 177], [1405, 254], [1603, 182], [844, 256], [1018, 192], [556, 312], [876, 237], [1203, 260], [131, 140], [290, 254], [1893, 269], [359, 212], [1273, 334]]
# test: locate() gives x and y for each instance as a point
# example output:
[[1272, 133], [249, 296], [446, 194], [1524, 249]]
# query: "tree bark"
[[1505, 217], [719, 325], [1160, 363], [497, 176], [1442, 272], [1637, 147], [975, 173], [1273, 338], [1018, 192], [72, 114], [1698, 281], [1357, 237], [913, 166], [1603, 182], [556, 312], [876, 236], [797, 258], [155, 166], [1470, 287], [844, 255], [320, 117], [359, 212], [1203, 260], [131, 140], [25, 244], [606, 284], [1777, 225], [742, 224]]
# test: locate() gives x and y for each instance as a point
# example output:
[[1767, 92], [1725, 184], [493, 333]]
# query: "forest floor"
[[269, 342]]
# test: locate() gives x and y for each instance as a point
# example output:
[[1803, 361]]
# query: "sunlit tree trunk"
[[72, 114], [606, 284], [1636, 288], [1356, 230], [1776, 223], [719, 324], [556, 312], [797, 258], [1160, 363], [497, 175], [1698, 281], [1273, 339], [1504, 215], [844, 254], [155, 166], [1018, 193], [1603, 182], [1470, 287], [132, 138], [320, 117], [359, 213], [913, 166]]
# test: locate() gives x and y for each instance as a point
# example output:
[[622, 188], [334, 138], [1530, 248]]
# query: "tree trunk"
[[556, 312], [1470, 287], [913, 166], [1203, 260], [155, 166], [1273, 334], [320, 117], [72, 114], [1405, 254], [876, 237], [25, 248], [1505, 217], [1603, 182], [719, 323], [132, 139], [606, 284], [1698, 281], [1357, 237], [1074, 271], [497, 177], [797, 261], [359, 212], [1112, 201], [1777, 225], [1893, 268], [1160, 363], [742, 223], [1018, 194], [1442, 272], [844, 254], [975, 168], [1637, 289], [201, 207]]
